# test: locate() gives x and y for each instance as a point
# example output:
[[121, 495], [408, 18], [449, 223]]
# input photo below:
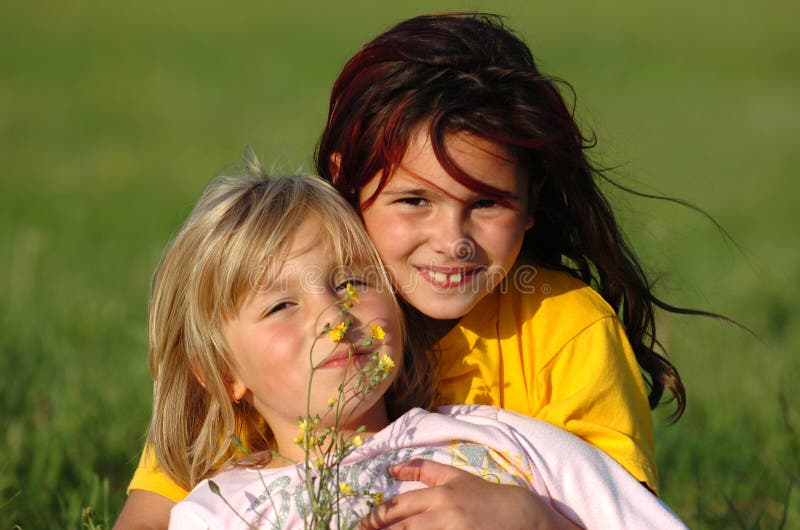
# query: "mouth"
[[449, 277], [344, 356]]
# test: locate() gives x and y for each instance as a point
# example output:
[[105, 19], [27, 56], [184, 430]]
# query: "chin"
[[444, 310]]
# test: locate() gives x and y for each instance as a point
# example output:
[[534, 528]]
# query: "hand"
[[459, 500]]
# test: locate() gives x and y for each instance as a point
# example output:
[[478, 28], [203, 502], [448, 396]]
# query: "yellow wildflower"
[[352, 294], [378, 497], [303, 424], [331, 402], [299, 439], [345, 488], [319, 462], [356, 441], [385, 363], [376, 332], [338, 332]]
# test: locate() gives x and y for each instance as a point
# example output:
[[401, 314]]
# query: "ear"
[[533, 201], [530, 220], [236, 389], [334, 163]]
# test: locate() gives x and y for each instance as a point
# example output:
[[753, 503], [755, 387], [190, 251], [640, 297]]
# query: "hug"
[[449, 164]]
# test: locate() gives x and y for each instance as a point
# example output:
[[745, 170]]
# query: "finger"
[[424, 521], [399, 508], [428, 472]]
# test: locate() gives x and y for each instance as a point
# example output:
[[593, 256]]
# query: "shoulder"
[[487, 415], [151, 478], [504, 430], [547, 310], [547, 293], [228, 482], [536, 300], [220, 500], [489, 421], [449, 422]]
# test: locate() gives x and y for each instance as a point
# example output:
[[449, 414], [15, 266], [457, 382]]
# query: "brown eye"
[[280, 306], [413, 201], [484, 203], [341, 288]]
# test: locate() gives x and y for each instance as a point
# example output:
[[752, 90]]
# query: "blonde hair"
[[240, 228]]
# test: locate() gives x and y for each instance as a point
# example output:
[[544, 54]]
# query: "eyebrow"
[[405, 191], [505, 195]]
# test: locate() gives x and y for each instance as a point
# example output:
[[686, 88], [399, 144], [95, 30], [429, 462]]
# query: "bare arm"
[[144, 510]]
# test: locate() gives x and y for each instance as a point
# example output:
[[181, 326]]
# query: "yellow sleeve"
[[149, 477], [593, 388]]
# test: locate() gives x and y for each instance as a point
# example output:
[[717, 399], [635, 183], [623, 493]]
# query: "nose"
[[450, 235], [327, 311]]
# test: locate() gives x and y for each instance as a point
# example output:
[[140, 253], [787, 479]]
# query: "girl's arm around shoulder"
[[583, 374], [594, 389], [584, 483]]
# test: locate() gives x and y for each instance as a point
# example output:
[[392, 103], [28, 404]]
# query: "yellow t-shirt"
[[149, 477], [542, 344], [550, 347]]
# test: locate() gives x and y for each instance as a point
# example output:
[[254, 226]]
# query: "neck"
[[364, 426], [427, 330], [440, 328]]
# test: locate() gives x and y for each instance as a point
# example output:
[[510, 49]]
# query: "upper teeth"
[[441, 277]]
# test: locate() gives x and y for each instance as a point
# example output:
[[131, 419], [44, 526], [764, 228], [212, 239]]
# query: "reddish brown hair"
[[467, 72]]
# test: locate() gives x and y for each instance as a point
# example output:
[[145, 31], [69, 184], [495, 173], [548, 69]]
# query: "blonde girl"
[[238, 235]]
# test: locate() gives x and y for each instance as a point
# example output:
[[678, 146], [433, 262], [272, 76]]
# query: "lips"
[[448, 277], [342, 356]]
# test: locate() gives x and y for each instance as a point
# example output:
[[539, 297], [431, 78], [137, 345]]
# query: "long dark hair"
[[467, 72]]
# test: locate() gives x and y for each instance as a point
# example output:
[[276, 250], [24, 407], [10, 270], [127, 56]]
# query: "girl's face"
[[272, 340], [444, 245]]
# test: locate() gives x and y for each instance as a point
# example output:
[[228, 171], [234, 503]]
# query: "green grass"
[[113, 117]]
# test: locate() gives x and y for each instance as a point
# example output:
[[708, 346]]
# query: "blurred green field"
[[114, 117]]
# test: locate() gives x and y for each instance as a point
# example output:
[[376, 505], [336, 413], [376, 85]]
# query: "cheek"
[[392, 237], [504, 240], [265, 365], [375, 222], [388, 249], [379, 309]]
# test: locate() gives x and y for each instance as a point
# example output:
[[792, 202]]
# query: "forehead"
[[307, 236], [462, 144], [485, 166], [306, 241], [318, 245]]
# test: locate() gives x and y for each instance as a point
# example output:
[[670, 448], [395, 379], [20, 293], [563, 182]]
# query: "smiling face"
[[272, 339], [445, 245]]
